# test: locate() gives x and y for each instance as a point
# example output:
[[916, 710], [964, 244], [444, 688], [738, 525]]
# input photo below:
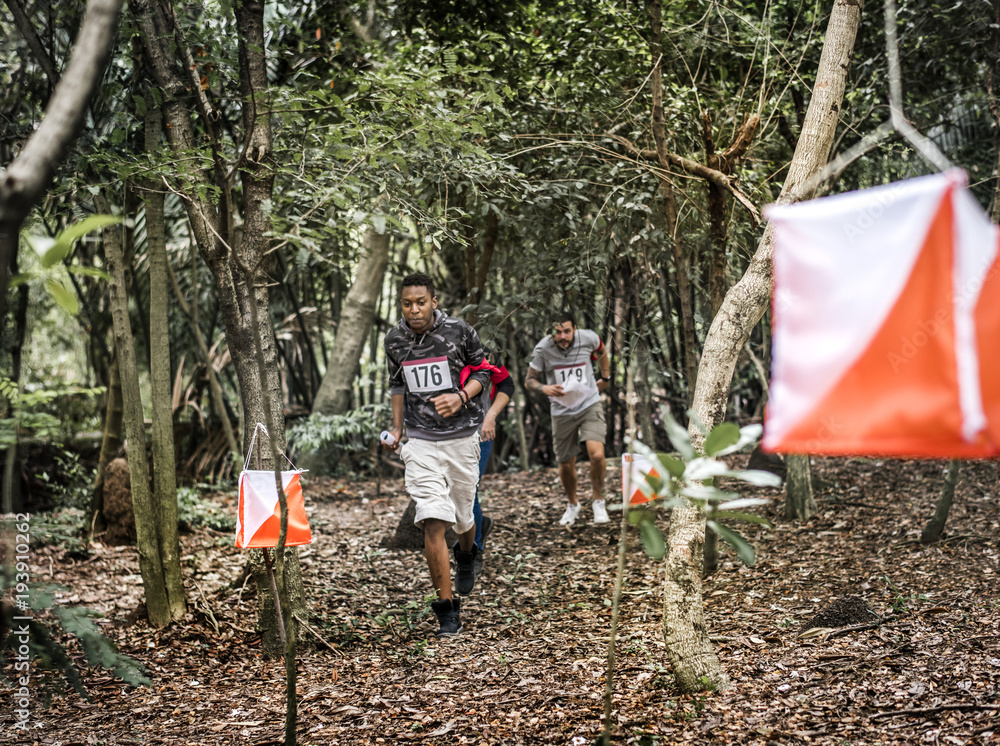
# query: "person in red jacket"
[[492, 400]]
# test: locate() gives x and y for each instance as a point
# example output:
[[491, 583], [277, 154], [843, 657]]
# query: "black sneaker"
[[465, 572], [446, 611]]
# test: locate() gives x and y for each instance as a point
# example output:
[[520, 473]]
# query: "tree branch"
[[695, 169], [22, 184]]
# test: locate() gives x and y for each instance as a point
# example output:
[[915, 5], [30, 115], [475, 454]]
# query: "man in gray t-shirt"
[[565, 359]]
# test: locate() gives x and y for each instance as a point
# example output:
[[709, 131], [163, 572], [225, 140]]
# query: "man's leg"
[[567, 475], [485, 448], [595, 450], [446, 609], [436, 552], [598, 465]]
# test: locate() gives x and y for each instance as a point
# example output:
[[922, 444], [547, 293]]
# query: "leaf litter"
[[924, 667]]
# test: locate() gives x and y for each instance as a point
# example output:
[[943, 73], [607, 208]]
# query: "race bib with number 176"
[[427, 375]]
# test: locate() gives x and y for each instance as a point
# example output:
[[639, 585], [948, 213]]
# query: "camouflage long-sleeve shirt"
[[426, 365]]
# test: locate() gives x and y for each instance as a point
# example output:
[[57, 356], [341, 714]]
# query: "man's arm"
[[397, 422], [605, 367], [533, 383], [505, 389]]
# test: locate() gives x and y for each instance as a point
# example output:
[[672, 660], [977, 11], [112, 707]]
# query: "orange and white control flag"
[[258, 521], [634, 471], [886, 322]]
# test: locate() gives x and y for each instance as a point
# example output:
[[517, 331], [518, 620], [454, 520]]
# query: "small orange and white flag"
[[258, 521], [635, 468], [886, 316]]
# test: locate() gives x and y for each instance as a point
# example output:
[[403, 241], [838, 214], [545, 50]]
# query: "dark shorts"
[[569, 430]]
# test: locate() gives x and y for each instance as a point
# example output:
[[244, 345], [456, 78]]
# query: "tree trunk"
[[111, 441], [237, 271], [146, 520], [688, 645], [932, 532], [11, 487], [356, 317], [164, 463], [681, 260], [799, 500]]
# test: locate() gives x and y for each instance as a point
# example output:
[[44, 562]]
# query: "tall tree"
[[238, 266], [692, 655], [164, 465]]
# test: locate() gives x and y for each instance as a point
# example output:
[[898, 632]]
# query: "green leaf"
[[65, 240], [706, 492], [722, 436], [743, 549], [63, 297], [743, 502], [748, 434], [733, 515], [89, 272], [757, 478], [672, 464], [679, 438], [700, 469], [652, 539]]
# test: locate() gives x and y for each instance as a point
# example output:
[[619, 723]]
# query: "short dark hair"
[[417, 280], [563, 316]]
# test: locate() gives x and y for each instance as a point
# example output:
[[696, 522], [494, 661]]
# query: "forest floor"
[[529, 667]]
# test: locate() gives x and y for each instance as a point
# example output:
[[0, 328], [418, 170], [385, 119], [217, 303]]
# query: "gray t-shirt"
[[573, 364]]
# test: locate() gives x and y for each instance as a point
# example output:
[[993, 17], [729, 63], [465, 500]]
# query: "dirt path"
[[529, 668]]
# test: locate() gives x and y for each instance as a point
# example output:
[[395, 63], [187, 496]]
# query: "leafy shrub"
[[340, 434], [687, 479], [194, 511], [46, 651]]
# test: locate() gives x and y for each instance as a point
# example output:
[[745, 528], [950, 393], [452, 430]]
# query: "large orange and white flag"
[[886, 317], [258, 521]]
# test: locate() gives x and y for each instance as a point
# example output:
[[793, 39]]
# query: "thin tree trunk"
[[681, 260], [146, 520], [695, 663], [356, 318], [164, 463], [11, 488], [212, 226], [520, 402], [111, 441], [933, 530], [799, 500]]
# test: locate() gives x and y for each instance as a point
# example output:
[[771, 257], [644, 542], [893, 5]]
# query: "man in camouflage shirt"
[[425, 353]]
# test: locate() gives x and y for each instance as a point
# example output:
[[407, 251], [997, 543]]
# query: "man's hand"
[[553, 390], [602, 384], [447, 404], [397, 433], [489, 426]]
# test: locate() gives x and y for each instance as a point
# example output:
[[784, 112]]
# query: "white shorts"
[[441, 477]]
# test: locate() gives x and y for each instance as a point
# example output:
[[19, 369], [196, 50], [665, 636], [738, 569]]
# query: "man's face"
[[562, 334], [418, 308]]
